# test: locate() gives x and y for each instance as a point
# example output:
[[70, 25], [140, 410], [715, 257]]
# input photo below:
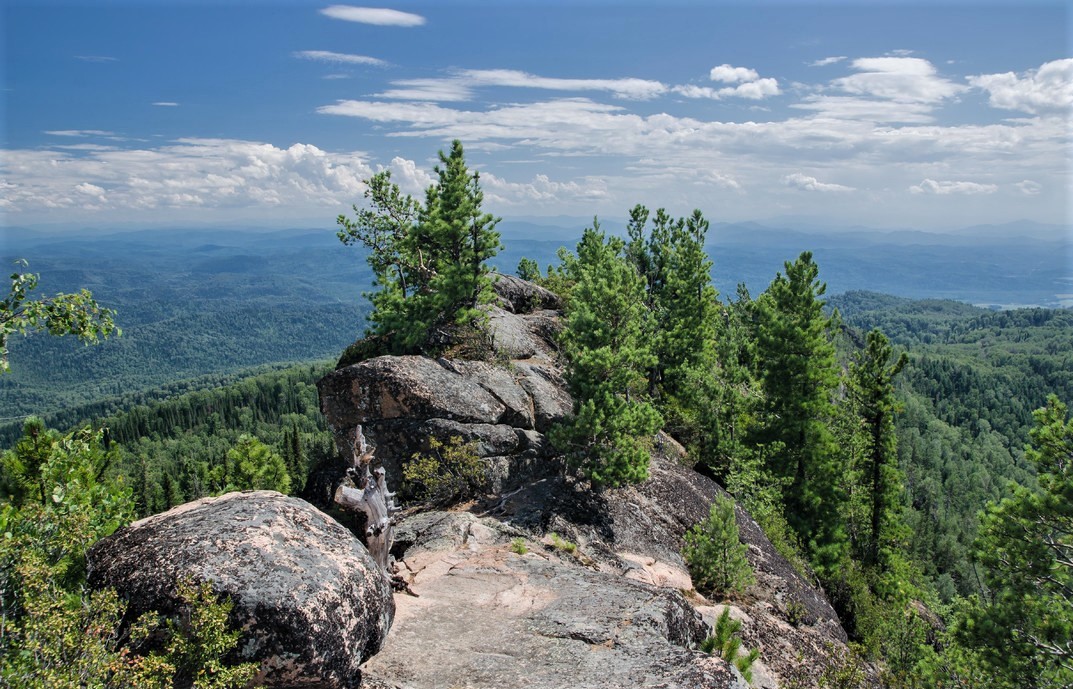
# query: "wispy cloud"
[[930, 186], [338, 58], [808, 183], [166, 104], [1047, 89], [373, 15], [96, 58], [461, 84], [430, 90], [639, 89], [78, 132], [827, 61]]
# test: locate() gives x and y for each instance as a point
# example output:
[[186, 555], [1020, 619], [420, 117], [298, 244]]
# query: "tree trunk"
[[369, 494]]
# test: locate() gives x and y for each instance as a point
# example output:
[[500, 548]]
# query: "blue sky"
[[925, 115]]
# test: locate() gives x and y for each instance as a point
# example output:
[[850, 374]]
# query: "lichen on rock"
[[311, 603]]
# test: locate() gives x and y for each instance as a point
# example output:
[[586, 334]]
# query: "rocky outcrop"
[[489, 617], [505, 405], [311, 603], [638, 533], [521, 296]]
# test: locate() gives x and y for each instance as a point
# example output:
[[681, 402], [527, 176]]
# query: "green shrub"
[[518, 546], [55, 634], [714, 554], [451, 472], [562, 544]]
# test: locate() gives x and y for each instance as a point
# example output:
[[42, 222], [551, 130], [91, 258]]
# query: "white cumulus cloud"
[[410, 178], [373, 15], [747, 84], [1048, 88], [901, 79], [186, 173], [806, 183], [827, 61], [1029, 187], [730, 74], [930, 186]]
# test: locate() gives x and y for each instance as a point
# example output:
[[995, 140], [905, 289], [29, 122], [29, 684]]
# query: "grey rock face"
[[402, 401], [520, 296], [639, 532], [505, 406], [488, 618], [311, 602]]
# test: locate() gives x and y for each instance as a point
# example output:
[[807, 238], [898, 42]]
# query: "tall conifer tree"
[[799, 375], [428, 259], [872, 386], [606, 342]]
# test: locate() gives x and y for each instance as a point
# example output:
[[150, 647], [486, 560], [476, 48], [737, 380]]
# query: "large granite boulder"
[[521, 296], [310, 601]]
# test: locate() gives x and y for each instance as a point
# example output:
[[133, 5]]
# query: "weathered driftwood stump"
[[368, 494]]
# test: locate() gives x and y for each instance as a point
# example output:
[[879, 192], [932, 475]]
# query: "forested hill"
[[973, 379], [190, 304], [214, 302]]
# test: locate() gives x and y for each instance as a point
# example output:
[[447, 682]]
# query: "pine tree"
[[714, 554], [605, 340], [872, 387], [428, 259], [799, 375], [252, 465], [679, 293], [1024, 624]]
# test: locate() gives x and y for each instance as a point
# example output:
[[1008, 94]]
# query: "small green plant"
[[726, 643], [451, 472], [562, 544], [715, 557], [197, 639], [796, 612], [518, 546]]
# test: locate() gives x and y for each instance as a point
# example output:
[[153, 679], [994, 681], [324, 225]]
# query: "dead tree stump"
[[368, 493]]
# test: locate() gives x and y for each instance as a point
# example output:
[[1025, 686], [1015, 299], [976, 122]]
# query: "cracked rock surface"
[[542, 620]]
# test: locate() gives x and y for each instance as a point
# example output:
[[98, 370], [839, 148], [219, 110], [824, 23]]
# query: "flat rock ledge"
[[310, 601], [488, 617]]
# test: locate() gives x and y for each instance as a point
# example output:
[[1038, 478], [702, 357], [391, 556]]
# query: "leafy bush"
[[451, 472], [714, 554], [518, 546]]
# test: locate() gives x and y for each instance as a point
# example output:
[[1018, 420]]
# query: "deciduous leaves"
[[61, 314]]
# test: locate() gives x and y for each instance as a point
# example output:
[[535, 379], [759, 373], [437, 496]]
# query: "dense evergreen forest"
[[912, 457]]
